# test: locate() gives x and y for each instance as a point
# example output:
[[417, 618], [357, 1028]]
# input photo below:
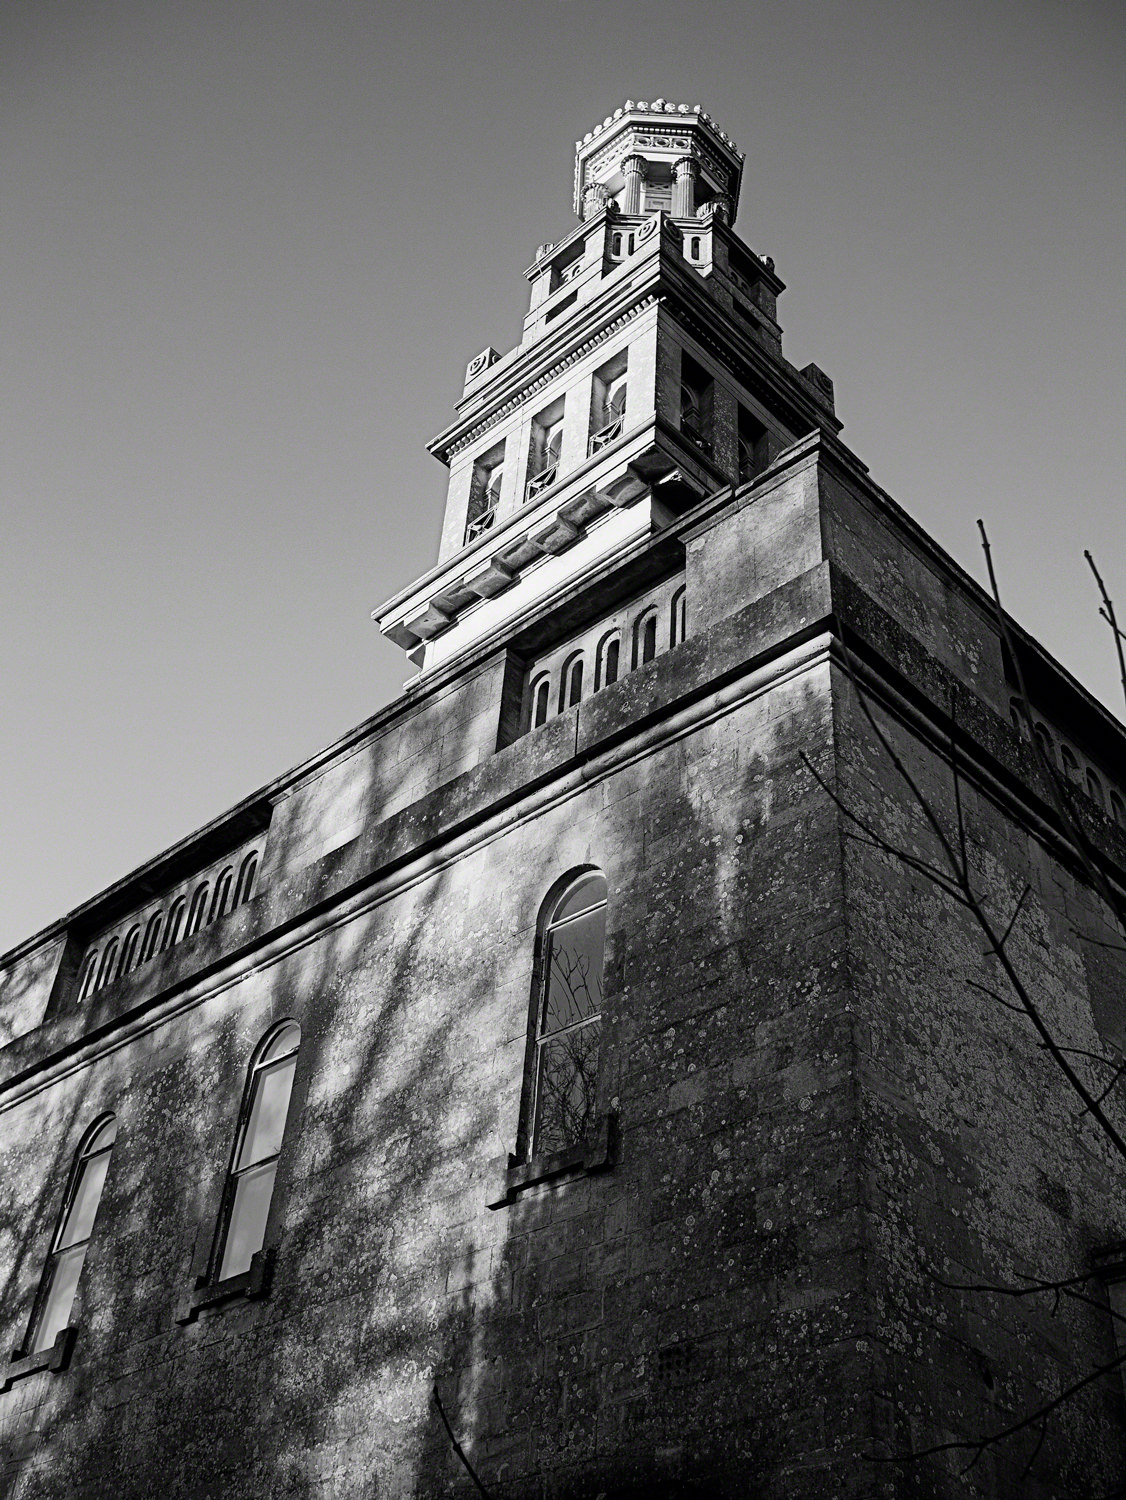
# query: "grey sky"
[[248, 248]]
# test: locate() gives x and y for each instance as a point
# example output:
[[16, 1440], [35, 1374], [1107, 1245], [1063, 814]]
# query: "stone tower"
[[550, 1089]]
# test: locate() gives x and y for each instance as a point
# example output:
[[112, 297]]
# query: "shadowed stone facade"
[[804, 1118]]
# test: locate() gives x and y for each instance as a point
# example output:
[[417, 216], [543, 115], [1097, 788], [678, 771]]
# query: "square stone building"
[[556, 1088]]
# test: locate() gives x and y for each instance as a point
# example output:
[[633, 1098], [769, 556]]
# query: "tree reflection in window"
[[569, 1023], [250, 1184]]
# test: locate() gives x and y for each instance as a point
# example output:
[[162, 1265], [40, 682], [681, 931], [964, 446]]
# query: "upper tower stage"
[[649, 375], [647, 157]]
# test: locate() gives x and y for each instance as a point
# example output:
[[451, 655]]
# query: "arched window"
[[571, 684], [563, 1075], [609, 656], [246, 877], [198, 910], [72, 1236], [129, 951], [175, 921], [1019, 717], [694, 247], [1118, 808], [689, 409], [1044, 743], [1095, 789], [614, 405], [1070, 764], [152, 936], [616, 245], [254, 1163], [88, 975], [540, 704], [645, 639], [109, 958], [676, 629], [222, 894]]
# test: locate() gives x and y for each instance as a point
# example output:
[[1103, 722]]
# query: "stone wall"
[[816, 1115]]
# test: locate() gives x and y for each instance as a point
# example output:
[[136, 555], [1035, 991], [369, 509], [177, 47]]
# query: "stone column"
[[684, 174], [594, 199], [634, 169]]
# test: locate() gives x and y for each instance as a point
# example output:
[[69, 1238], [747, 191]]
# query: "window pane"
[[568, 1076], [287, 1040], [80, 1216], [268, 1110], [583, 894], [65, 1269], [246, 1227], [104, 1136], [574, 976]]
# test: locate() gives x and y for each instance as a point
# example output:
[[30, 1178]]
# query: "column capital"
[[595, 198], [686, 166], [716, 208], [635, 164]]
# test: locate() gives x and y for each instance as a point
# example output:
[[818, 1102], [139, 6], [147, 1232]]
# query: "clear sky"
[[248, 247]]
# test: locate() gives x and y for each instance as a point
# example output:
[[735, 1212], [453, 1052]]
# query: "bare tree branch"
[[1108, 615], [979, 1445]]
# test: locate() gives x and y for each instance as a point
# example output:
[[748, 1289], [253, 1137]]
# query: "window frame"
[[540, 687], [208, 1286], [602, 677], [88, 975], [597, 1150], [31, 1356], [575, 665], [246, 887]]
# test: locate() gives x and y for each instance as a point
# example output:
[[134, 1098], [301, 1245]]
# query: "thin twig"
[[979, 1445], [1108, 615], [1016, 913]]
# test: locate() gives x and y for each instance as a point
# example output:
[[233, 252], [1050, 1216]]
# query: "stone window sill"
[[250, 1284], [56, 1358], [596, 1154]]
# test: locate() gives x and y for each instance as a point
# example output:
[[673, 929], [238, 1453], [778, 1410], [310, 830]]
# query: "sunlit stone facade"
[[578, 1068]]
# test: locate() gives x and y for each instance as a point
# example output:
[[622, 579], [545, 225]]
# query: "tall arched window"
[[72, 1236], [568, 1017], [645, 639], [609, 657], [541, 692], [1044, 743], [571, 684], [88, 975], [1095, 788], [175, 921], [1118, 809], [1070, 763], [152, 936], [254, 1164], [129, 951], [109, 958], [246, 877], [222, 894], [676, 629], [198, 911]]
